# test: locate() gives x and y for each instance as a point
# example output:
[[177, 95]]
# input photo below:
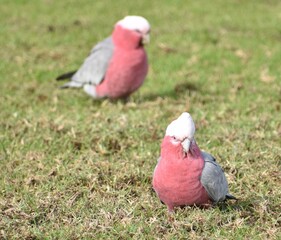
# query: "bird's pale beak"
[[186, 144], [145, 38]]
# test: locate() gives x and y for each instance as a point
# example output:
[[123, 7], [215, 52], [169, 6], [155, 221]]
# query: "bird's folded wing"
[[95, 65], [213, 178]]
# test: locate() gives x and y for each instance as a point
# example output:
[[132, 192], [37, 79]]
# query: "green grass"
[[73, 168]]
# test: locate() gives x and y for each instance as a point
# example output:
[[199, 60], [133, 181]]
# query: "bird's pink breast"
[[127, 68], [125, 74], [177, 181]]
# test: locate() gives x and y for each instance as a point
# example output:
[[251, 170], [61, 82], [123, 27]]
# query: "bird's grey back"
[[95, 65], [213, 178]]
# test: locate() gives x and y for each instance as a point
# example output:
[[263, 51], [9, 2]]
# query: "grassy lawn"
[[74, 168]]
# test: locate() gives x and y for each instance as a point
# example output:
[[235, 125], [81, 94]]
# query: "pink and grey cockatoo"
[[117, 66], [185, 175]]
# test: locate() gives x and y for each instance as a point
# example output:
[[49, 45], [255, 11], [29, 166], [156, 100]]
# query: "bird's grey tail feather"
[[66, 75], [229, 196]]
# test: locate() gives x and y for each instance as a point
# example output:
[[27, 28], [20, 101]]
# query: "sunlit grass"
[[72, 168]]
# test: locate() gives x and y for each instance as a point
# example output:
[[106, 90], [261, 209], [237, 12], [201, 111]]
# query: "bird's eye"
[[174, 140]]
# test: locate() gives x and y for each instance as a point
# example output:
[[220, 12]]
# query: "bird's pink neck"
[[168, 148], [126, 39]]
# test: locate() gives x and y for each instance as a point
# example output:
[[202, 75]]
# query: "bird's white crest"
[[181, 128], [135, 23]]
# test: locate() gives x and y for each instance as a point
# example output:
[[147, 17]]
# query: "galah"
[[117, 66], [185, 175]]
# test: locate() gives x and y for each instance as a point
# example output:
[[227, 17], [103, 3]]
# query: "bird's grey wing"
[[213, 178], [95, 65]]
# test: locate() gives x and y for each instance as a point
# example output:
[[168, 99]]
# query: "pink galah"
[[117, 66], [185, 175]]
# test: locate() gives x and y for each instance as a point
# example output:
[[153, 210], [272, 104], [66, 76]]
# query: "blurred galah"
[[117, 66], [185, 175]]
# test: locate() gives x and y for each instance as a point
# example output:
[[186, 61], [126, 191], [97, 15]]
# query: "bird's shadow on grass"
[[179, 90], [224, 207], [228, 206], [236, 205]]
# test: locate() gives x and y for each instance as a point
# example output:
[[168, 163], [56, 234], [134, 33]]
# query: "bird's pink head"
[[137, 24], [181, 131]]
